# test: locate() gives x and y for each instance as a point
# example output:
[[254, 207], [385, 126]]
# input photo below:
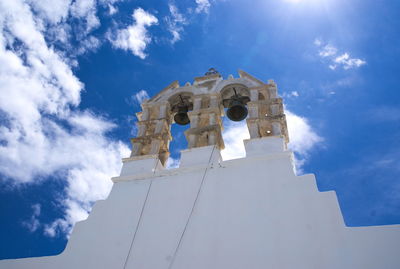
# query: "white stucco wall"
[[245, 213]]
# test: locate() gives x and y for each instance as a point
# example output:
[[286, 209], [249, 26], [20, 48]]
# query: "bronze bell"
[[181, 117], [237, 111]]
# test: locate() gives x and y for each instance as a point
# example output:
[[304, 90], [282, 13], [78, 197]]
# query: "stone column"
[[194, 121], [212, 140], [136, 148], [197, 103], [276, 128], [266, 117], [253, 129], [192, 140], [254, 95], [206, 124], [141, 129], [253, 110], [154, 133]]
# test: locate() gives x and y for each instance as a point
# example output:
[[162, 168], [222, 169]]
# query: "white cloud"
[[295, 93], [302, 139], [135, 37], [348, 62], [140, 96], [33, 223], [177, 17], [327, 50], [53, 11], [330, 52], [202, 6], [90, 43], [86, 10], [317, 42], [234, 133], [301, 135], [112, 9], [291, 94], [52, 17], [175, 23], [42, 132], [172, 163]]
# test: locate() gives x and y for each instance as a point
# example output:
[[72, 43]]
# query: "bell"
[[181, 117], [237, 111]]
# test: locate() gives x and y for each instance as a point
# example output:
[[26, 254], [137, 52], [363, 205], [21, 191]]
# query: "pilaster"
[[153, 131], [205, 122]]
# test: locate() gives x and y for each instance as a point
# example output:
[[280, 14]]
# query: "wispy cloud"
[[112, 9], [54, 20], [202, 6], [140, 96], [347, 62], [292, 94], [303, 138], [327, 50], [175, 23], [384, 114], [86, 10], [33, 223], [329, 53], [135, 37]]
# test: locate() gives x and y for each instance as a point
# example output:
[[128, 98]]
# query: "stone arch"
[[177, 98], [169, 92], [229, 90], [261, 96]]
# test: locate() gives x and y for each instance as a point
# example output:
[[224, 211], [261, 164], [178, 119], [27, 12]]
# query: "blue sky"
[[72, 74]]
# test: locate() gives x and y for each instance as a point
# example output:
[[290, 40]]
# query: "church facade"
[[252, 212]]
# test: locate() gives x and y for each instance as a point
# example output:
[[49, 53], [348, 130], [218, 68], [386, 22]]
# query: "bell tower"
[[202, 105]]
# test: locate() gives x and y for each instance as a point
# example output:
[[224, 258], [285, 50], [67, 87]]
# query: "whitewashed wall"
[[249, 213]]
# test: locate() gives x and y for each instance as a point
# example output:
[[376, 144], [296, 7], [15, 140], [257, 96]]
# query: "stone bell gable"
[[206, 100]]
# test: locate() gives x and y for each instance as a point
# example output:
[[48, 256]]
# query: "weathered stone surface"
[[206, 99]]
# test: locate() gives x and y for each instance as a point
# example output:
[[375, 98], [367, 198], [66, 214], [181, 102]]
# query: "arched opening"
[[177, 144], [229, 90], [180, 104], [234, 132], [234, 98]]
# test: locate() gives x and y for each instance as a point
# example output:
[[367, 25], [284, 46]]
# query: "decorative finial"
[[211, 71]]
